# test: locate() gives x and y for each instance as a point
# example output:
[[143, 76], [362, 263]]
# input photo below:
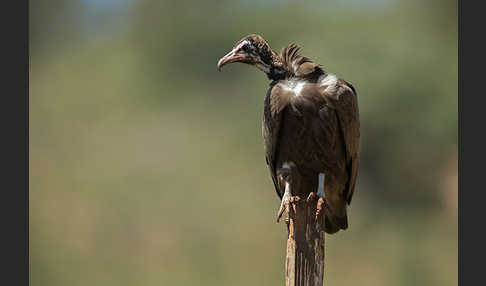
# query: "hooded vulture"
[[311, 128]]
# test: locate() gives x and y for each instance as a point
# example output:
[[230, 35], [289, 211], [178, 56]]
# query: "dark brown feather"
[[348, 113], [273, 107], [310, 126], [297, 65], [318, 130]]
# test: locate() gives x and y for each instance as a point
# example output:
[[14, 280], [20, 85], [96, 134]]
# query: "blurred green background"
[[147, 164]]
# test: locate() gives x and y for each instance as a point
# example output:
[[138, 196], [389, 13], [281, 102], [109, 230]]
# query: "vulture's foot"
[[320, 209], [321, 203], [286, 207]]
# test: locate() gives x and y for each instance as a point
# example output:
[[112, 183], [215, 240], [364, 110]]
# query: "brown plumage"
[[311, 127]]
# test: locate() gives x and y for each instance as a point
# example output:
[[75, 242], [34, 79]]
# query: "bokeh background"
[[147, 164]]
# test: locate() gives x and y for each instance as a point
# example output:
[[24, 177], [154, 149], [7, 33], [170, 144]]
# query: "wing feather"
[[348, 117], [275, 102]]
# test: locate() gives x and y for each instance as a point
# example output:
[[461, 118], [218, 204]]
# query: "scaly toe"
[[321, 204], [286, 207], [312, 196], [282, 209]]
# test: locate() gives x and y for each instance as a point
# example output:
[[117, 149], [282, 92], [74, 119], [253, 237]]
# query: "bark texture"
[[304, 263]]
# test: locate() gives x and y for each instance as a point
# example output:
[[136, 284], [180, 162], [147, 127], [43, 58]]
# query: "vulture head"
[[252, 50]]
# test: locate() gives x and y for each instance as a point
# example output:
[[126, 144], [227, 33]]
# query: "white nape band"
[[329, 80], [298, 87], [295, 86]]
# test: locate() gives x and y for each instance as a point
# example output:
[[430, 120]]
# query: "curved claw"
[[287, 206], [321, 203], [312, 196], [283, 207], [319, 210]]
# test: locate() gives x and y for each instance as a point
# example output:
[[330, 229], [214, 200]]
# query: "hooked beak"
[[231, 57]]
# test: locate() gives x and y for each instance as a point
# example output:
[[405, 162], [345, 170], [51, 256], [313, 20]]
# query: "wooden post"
[[304, 262]]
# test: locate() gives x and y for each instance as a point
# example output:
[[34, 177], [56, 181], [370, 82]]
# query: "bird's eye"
[[245, 48]]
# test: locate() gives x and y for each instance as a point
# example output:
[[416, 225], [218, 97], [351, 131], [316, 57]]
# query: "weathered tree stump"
[[304, 262]]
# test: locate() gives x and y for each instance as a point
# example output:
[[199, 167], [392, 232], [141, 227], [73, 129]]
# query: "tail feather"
[[335, 223]]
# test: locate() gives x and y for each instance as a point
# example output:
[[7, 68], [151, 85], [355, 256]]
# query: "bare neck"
[[277, 69]]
